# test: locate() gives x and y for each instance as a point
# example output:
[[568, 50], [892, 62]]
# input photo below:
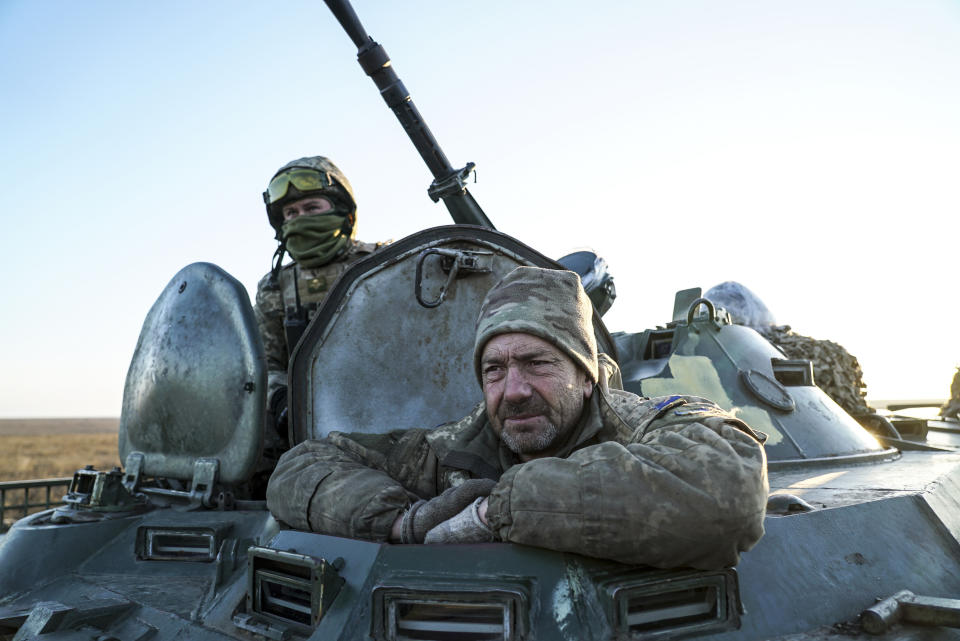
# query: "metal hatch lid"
[[374, 359], [196, 386]]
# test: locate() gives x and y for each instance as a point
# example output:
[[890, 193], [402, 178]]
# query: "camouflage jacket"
[[274, 299], [668, 482]]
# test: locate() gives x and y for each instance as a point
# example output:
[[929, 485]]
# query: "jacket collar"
[[470, 443]]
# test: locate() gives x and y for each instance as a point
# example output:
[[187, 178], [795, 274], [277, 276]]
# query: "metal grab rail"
[[29, 505]]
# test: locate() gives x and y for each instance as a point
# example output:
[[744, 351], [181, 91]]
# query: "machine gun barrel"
[[448, 183]]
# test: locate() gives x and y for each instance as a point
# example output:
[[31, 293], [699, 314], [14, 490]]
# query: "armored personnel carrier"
[[862, 533], [170, 547]]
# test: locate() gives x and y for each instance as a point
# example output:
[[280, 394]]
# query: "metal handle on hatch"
[[418, 284], [462, 262], [711, 310]]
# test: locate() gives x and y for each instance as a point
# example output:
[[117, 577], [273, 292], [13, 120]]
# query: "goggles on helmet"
[[303, 178]]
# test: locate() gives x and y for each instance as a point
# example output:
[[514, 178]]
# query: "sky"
[[808, 150]]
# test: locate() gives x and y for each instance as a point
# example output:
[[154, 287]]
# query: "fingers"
[[465, 527], [467, 491], [426, 515]]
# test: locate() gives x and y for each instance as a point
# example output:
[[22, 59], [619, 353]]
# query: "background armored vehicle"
[[175, 545]]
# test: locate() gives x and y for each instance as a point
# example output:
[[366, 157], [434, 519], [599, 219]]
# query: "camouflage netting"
[[951, 408], [835, 370]]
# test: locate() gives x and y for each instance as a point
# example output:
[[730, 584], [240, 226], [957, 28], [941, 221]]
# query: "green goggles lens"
[[302, 178]]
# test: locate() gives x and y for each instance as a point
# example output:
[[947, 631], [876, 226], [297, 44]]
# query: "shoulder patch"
[[689, 411], [668, 401]]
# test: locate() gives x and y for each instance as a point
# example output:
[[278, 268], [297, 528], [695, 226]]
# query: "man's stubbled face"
[[534, 393]]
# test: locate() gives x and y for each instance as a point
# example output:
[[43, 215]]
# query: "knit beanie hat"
[[548, 303]]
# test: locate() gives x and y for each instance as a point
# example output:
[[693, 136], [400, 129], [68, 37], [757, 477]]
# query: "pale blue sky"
[[807, 149]]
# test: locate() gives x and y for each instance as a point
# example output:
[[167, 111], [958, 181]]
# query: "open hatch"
[[194, 400], [392, 346]]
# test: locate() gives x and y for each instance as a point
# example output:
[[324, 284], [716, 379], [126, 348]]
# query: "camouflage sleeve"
[[689, 489], [352, 485], [269, 313]]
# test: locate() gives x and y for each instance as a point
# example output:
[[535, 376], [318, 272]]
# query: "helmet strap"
[[277, 261]]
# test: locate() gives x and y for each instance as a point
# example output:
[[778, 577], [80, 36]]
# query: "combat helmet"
[[313, 175], [594, 275], [744, 307]]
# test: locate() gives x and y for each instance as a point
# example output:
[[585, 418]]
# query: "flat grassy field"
[[52, 455], [45, 426], [48, 448], [51, 448]]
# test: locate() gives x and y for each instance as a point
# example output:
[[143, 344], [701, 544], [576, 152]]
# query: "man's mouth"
[[522, 421]]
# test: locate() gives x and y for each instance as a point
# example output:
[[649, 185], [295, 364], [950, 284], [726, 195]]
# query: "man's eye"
[[492, 370]]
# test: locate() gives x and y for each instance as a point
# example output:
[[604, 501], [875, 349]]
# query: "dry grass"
[[41, 426], [52, 455]]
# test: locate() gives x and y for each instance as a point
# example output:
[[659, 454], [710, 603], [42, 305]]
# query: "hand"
[[465, 527], [413, 525], [482, 511]]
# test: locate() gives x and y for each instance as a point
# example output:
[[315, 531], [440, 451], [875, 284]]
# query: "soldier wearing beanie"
[[554, 455]]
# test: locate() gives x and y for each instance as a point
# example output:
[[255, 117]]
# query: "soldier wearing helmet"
[[311, 207]]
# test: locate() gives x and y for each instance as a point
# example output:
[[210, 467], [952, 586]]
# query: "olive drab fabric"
[[314, 241], [274, 299], [951, 409], [835, 370], [548, 303], [666, 482]]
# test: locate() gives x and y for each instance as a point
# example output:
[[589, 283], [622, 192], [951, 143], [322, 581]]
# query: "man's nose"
[[517, 386]]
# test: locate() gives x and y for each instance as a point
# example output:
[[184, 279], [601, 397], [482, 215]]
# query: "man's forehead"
[[518, 345]]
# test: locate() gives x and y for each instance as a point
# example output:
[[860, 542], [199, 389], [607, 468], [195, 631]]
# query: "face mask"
[[314, 241]]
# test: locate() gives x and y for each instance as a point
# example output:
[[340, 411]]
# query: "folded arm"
[[689, 491], [351, 485]]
